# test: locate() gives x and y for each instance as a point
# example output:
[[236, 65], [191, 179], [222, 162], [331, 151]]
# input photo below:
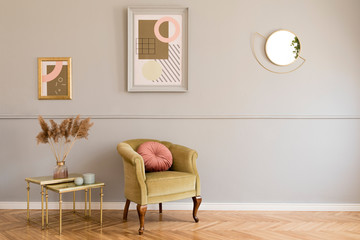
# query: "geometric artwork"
[[157, 49], [54, 78]]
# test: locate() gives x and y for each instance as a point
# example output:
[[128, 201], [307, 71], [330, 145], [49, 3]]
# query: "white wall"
[[304, 155]]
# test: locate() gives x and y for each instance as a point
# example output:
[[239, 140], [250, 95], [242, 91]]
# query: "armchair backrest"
[[135, 143]]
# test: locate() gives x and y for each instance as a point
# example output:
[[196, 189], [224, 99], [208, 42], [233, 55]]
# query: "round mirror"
[[282, 47]]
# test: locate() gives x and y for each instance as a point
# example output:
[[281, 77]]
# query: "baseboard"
[[204, 206]]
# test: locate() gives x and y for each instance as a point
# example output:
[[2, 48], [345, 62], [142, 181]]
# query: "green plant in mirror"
[[296, 44]]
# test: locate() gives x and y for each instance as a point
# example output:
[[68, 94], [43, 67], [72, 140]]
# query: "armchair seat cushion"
[[169, 182]]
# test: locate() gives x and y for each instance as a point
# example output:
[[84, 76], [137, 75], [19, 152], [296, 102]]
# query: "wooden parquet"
[[176, 225]]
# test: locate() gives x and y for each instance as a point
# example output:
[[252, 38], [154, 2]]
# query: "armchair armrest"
[[134, 171], [126, 151], [184, 160]]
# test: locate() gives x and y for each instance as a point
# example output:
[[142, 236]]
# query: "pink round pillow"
[[156, 156]]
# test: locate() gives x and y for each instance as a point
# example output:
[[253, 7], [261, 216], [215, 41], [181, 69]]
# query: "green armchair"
[[179, 182]]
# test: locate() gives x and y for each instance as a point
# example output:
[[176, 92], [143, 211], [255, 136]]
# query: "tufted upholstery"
[[157, 157]]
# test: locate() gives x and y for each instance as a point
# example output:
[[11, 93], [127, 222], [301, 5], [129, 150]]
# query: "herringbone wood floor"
[[177, 225]]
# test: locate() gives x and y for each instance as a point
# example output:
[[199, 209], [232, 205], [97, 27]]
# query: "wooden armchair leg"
[[197, 201], [141, 209], [160, 207], [126, 209]]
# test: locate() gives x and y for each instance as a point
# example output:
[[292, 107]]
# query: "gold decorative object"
[[61, 138], [71, 187], [54, 78], [43, 181], [280, 51]]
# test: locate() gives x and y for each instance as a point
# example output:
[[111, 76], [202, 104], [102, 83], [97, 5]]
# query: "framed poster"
[[157, 49], [54, 78]]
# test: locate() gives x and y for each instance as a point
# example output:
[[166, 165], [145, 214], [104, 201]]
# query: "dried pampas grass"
[[64, 127], [68, 130], [62, 137], [44, 126], [54, 131], [42, 138], [84, 127], [75, 127]]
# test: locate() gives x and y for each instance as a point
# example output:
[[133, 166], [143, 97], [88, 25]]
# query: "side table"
[[71, 187], [43, 182]]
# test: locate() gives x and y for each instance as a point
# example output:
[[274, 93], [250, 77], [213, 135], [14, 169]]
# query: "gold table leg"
[[90, 202], [101, 204], [47, 210], [42, 207], [60, 201], [85, 201], [28, 202], [74, 202]]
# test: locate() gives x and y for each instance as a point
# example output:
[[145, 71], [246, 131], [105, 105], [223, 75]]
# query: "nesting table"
[[43, 182], [71, 187], [62, 186]]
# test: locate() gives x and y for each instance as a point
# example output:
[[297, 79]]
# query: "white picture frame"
[[157, 49]]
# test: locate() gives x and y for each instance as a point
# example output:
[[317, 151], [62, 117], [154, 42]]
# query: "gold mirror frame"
[[261, 64], [266, 44]]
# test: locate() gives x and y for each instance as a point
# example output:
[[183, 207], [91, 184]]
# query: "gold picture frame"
[[54, 78]]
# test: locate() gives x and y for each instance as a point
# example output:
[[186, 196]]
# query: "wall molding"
[[182, 116], [204, 206]]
